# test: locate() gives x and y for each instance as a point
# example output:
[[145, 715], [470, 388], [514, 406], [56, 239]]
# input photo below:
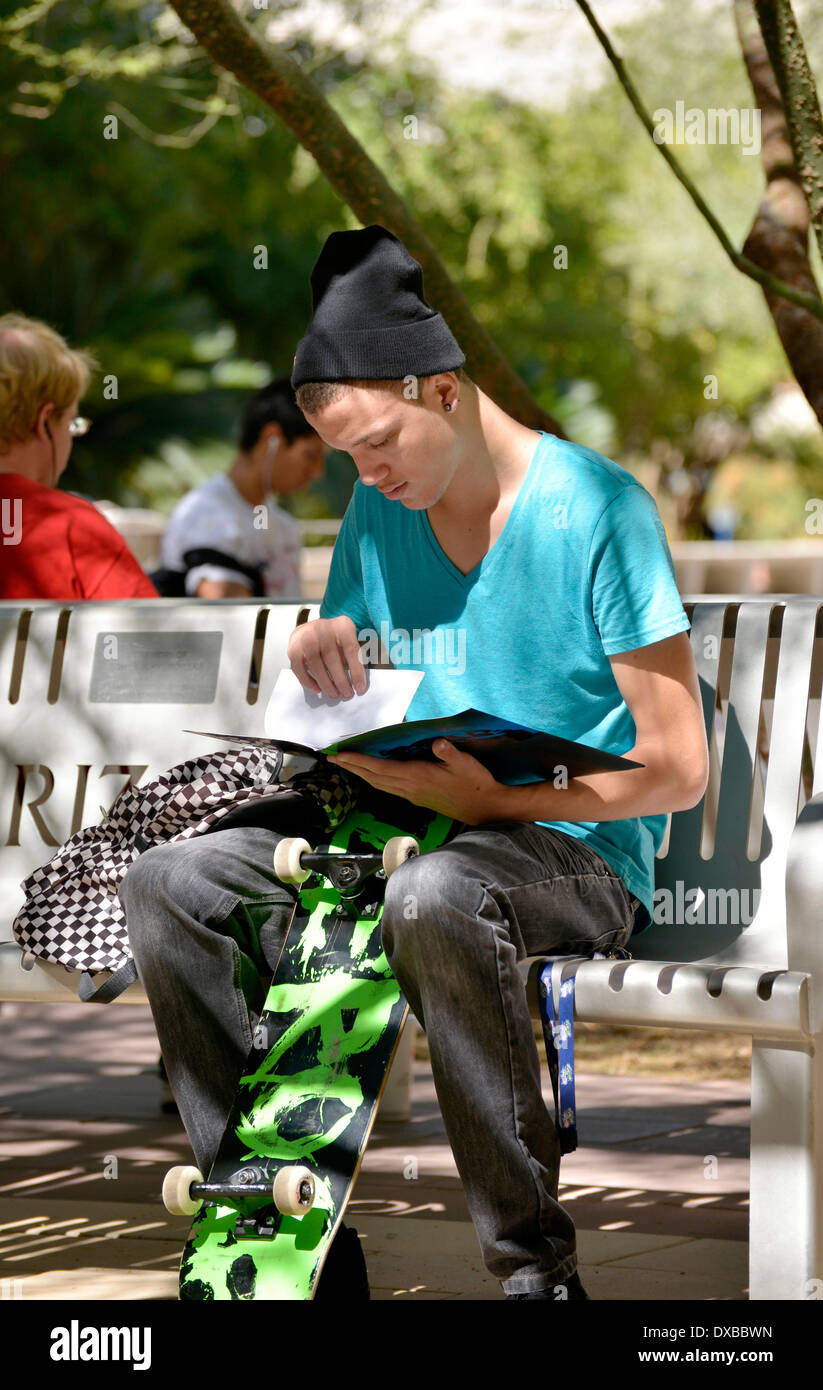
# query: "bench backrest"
[[94, 694], [759, 663], [97, 694]]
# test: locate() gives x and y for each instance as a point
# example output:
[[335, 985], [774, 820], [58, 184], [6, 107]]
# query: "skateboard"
[[306, 1102]]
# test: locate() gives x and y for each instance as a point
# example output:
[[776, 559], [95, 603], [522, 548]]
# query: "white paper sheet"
[[297, 715]]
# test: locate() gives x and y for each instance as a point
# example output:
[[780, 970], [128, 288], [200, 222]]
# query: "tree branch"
[[273, 76], [810, 302], [215, 108]]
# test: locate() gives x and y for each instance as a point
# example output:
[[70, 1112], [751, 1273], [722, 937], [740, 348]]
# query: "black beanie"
[[370, 319]]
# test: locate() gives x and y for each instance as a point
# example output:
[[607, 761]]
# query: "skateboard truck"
[[292, 1191], [251, 1226], [295, 861]]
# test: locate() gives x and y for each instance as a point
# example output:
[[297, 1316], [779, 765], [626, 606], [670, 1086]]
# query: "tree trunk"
[[274, 77], [798, 92], [779, 237]]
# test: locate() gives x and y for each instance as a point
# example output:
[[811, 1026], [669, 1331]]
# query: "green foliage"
[[145, 252], [769, 496], [142, 247]]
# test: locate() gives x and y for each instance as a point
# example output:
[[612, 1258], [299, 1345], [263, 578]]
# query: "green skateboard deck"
[[310, 1089]]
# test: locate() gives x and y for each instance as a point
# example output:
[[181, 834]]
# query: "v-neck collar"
[[503, 540]]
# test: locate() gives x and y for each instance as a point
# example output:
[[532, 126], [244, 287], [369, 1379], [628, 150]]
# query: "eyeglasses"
[[79, 425]]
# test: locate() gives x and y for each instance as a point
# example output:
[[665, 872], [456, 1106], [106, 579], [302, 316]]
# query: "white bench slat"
[[652, 995], [788, 729], [46, 983]]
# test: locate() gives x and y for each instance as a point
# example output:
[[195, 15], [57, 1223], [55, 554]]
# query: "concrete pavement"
[[657, 1188]]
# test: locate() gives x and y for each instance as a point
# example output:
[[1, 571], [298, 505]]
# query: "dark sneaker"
[[344, 1276], [572, 1285]]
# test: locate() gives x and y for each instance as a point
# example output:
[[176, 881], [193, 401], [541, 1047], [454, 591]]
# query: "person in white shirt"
[[228, 538]]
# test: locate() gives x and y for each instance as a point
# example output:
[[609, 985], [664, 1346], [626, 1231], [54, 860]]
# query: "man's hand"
[[320, 653], [457, 785]]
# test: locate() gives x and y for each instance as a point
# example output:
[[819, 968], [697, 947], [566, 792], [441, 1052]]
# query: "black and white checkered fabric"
[[72, 915], [333, 792]]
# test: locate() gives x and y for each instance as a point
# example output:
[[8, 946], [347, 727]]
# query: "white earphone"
[[272, 445]]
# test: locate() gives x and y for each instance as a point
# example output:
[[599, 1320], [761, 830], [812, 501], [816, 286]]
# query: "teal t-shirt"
[[580, 571]]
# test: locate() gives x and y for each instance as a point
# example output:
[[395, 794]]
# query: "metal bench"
[[98, 692], [736, 943], [95, 694]]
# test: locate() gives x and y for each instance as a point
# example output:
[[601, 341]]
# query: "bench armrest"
[[804, 903]]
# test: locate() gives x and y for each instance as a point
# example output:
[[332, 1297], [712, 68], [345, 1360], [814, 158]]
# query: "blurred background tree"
[[577, 249]]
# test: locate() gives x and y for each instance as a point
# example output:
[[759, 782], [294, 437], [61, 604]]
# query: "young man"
[[53, 545], [548, 565], [227, 538], [552, 563]]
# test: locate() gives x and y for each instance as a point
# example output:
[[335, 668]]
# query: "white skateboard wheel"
[[287, 860], [177, 1197], [397, 850], [293, 1191]]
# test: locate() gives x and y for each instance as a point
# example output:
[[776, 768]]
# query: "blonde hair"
[[37, 366]]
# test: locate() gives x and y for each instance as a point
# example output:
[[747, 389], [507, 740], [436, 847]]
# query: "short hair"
[[273, 403], [37, 367], [316, 395]]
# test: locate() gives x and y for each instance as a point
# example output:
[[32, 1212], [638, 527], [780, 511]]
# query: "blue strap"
[[558, 1033], [559, 1037]]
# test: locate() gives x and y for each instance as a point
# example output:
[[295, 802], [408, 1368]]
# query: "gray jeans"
[[207, 920]]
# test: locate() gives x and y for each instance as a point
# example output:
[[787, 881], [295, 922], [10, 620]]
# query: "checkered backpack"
[[72, 915]]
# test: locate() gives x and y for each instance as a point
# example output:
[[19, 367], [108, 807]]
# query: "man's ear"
[[442, 386], [270, 436]]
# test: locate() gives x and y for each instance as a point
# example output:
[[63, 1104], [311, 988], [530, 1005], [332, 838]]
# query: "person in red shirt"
[[53, 545]]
